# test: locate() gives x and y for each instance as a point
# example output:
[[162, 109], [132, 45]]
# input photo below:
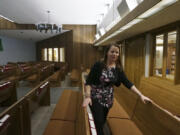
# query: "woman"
[[99, 86]]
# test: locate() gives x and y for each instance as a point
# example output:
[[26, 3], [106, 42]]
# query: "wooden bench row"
[[76, 76], [129, 115], [58, 76], [33, 74], [68, 117], [19, 122]]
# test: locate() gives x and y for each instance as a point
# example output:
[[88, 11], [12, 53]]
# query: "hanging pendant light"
[[45, 27]]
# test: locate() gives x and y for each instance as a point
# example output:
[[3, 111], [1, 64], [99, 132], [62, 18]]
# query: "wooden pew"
[[157, 119], [45, 72], [8, 72], [147, 119], [75, 77], [20, 111], [163, 92], [39, 96], [55, 79], [19, 122], [24, 71], [4, 124], [34, 78], [8, 93], [58, 76], [63, 118], [69, 118]]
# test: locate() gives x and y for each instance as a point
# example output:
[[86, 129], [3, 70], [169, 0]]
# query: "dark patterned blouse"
[[102, 79], [104, 91]]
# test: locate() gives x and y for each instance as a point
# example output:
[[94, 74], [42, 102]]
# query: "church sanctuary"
[[89, 67]]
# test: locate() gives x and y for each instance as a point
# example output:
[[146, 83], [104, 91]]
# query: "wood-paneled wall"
[[82, 52], [135, 59], [62, 40], [7, 25], [163, 92], [78, 44]]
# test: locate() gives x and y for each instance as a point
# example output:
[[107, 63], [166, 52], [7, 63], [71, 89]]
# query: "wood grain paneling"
[[63, 40], [78, 44], [82, 52], [163, 92], [151, 120], [177, 71], [135, 59], [7, 25], [126, 98]]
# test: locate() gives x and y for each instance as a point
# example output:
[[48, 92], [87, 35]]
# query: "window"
[[50, 54], [62, 55], [44, 54], [159, 55], [56, 54], [53, 54], [165, 55]]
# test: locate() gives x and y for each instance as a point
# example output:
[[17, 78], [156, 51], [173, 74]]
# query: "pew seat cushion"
[[58, 127], [123, 127], [117, 111], [66, 106]]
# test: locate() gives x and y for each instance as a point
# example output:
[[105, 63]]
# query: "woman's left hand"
[[145, 99]]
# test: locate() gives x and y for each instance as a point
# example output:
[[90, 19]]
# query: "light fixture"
[[102, 31], [131, 4], [48, 26], [6, 18], [97, 36]]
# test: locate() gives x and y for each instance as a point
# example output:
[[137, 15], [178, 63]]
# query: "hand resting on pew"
[[144, 99]]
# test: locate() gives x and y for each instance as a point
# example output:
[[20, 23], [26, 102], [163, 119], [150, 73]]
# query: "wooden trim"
[[151, 53], [177, 71], [47, 54], [165, 43], [7, 25], [58, 54], [52, 54]]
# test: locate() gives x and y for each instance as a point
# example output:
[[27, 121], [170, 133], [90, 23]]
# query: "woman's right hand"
[[87, 101]]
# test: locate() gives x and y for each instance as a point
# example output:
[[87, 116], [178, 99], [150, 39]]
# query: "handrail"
[[90, 124], [167, 112]]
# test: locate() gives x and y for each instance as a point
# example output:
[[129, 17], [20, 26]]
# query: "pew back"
[[20, 111], [151, 119], [8, 94]]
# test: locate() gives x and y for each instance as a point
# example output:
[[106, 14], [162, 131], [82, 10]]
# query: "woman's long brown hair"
[[118, 61]]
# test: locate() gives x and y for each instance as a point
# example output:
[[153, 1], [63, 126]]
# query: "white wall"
[[15, 50]]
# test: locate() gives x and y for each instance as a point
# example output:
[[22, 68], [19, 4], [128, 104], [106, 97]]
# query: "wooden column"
[[177, 71], [165, 44]]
